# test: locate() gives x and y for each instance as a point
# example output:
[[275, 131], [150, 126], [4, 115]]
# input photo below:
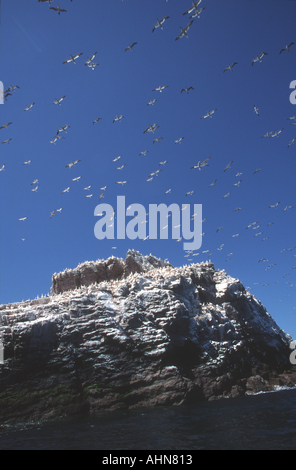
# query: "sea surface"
[[263, 421]]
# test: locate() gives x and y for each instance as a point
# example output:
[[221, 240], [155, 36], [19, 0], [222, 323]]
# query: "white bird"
[[121, 182], [52, 214], [72, 58], [6, 141], [143, 153], [256, 110], [118, 118], [189, 193], [121, 167], [268, 134], [201, 164], [163, 163], [157, 140], [276, 134], [2, 167], [130, 47], [29, 107], [168, 191], [35, 189], [274, 205], [70, 165], [213, 184], [77, 178], [62, 129], [259, 57], [159, 23], [228, 166], [257, 171], [230, 67], [151, 128], [287, 47], [197, 13], [292, 141], [210, 114], [28, 162], [58, 101], [89, 195], [23, 218], [66, 190], [226, 195], [151, 102], [58, 9], [87, 188], [178, 141], [160, 88], [117, 158], [191, 9], [184, 31], [287, 208]]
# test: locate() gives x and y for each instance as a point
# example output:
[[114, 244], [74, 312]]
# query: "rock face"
[[124, 334]]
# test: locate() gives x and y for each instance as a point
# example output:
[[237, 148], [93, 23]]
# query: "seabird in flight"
[[228, 166], [151, 102], [5, 126], [184, 31], [256, 110], [130, 47], [6, 141], [58, 9], [160, 88], [259, 57], [70, 165], [287, 47], [159, 23], [59, 100], [230, 67], [62, 128], [178, 141], [72, 58], [187, 89], [29, 107], [194, 7], [96, 120], [118, 118], [210, 114]]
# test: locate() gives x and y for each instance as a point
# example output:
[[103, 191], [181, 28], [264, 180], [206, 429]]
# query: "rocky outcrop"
[[124, 334], [95, 272]]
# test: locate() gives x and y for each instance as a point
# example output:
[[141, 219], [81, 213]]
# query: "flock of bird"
[[194, 12]]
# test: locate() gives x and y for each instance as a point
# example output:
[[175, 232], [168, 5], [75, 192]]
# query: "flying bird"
[[59, 100], [58, 9], [5, 126], [151, 102], [160, 88], [118, 118], [121, 182], [184, 31], [187, 89], [194, 7], [96, 120], [70, 165], [228, 166], [66, 190], [230, 67], [159, 23], [259, 57], [256, 110], [72, 58], [62, 129], [29, 107], [130, 47], [287, 47], [210, 114], [178, 141], [6, 141], [2, 167]]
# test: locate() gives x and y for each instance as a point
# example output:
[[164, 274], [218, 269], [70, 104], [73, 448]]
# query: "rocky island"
[[121, 334]]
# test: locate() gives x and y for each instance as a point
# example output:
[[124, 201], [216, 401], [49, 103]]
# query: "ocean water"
[[264, 421]]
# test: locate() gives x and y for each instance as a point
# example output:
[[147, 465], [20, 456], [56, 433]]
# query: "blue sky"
[[35, 41]]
